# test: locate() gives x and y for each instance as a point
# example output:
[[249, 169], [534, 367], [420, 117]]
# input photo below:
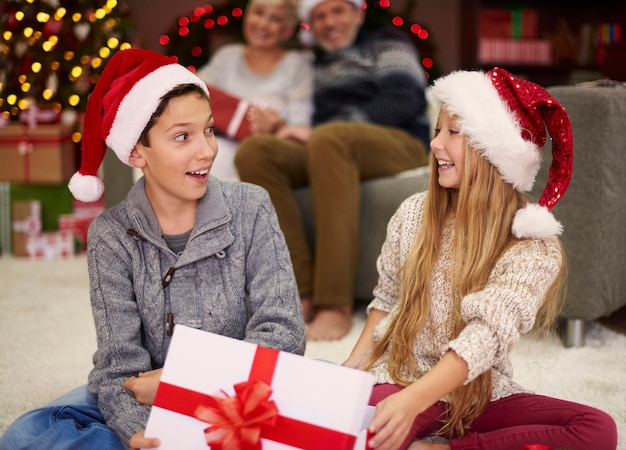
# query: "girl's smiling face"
[[448, 147], [182, 149]]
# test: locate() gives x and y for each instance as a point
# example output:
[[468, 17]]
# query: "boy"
[[182, 248]]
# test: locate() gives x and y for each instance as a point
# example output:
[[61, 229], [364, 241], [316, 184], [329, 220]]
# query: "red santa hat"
[[306, 6], [505, 118], [126, 95]]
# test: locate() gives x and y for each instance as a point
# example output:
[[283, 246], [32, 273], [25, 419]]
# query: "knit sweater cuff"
[[477, 346]]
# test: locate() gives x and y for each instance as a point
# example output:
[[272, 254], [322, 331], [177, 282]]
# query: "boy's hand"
[[144, 386], [138, 441]]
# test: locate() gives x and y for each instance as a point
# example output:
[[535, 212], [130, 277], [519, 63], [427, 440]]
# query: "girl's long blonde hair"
[[483, 210]]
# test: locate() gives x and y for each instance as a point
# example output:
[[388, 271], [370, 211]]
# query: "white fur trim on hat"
[[490, 126], [138, 105], [535, 221], [306, 6]]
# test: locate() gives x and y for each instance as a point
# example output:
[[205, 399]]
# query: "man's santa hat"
[[306, 6], [505, 118], [126, 95]]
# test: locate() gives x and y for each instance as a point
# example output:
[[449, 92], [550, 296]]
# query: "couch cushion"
[[593, 210], [380, 198]]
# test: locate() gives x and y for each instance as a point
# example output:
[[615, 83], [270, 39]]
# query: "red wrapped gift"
[[80, 219], [44, 154], [230, 114], [78, 226], [231, 394], [519, 23]]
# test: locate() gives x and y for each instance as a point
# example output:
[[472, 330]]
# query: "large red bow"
[[236, 421]]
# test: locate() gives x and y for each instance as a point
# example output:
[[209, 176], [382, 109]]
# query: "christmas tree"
[[52, 51]]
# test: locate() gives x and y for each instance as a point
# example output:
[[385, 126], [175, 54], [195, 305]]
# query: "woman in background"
[[278, 81]]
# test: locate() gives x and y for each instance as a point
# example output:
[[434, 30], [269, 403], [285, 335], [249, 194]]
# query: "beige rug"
[[47, 338]]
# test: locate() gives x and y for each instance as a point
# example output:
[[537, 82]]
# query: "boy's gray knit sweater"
[[234, 278]]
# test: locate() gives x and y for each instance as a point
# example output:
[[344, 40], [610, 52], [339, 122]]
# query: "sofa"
[[380, 198], [593, 210]]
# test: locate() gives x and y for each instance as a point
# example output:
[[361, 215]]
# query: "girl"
[[467, 268]]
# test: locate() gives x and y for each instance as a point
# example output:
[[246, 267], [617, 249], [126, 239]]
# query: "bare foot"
[[330, 324], [421, 445], [308, 310]]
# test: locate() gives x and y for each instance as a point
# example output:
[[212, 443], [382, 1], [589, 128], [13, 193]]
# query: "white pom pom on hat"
[[306, 6], [126, 95], [505, 118]]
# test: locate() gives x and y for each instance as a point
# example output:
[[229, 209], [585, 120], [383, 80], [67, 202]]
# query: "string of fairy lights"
[[210, 19], [46, 48]]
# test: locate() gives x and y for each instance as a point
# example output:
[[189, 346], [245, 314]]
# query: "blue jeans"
[[71, 421]]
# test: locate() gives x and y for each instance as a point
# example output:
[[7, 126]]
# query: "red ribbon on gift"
[[239, 422], [535, 447]]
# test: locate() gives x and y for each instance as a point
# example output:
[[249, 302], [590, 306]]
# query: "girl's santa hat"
[[505, 118], [126, 95]]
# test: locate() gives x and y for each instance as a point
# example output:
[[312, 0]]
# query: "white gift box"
[[320, 405], [364, 435]]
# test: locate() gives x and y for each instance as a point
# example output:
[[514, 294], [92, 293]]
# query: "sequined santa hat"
[[505, 118], [120, 106]]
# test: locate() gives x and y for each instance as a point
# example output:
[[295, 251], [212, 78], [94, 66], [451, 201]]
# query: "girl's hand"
[[392, 421], [144, 386], [357, 361], [139, 441]]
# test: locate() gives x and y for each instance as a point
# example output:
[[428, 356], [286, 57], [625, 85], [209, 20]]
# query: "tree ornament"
[[82, 30]]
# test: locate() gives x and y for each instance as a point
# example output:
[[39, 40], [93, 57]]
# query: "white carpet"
[[47, 338]]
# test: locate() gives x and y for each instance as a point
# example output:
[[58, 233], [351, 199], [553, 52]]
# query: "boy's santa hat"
[[306, 6], [505, 118], [126, 95]]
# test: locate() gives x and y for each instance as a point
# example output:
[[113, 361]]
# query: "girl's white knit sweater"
[[495, 317]]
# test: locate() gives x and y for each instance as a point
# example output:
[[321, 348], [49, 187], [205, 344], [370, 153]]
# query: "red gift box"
[[44, 154], [230, 114], [508, 23], [79, 221], [78, 226], [226, 393]]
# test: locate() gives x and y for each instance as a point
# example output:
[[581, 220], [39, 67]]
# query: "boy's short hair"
[[177, 91]]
